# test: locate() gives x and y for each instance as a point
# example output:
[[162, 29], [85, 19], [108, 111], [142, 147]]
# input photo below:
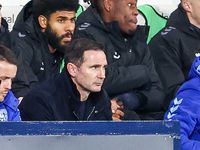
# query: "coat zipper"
[[87, 117], [76, 115], [90, 113]]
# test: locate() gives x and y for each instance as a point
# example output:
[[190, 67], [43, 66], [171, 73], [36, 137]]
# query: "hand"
[[20, 99], [116, 116], [114, 105], [121, 105]]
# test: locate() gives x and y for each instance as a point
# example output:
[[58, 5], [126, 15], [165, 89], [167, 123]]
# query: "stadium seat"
[[152, 19]]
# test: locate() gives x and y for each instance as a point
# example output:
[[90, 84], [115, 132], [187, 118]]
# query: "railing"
[[158, 135]]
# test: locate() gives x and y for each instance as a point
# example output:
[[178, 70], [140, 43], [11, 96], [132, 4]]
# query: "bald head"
[[192, 10]]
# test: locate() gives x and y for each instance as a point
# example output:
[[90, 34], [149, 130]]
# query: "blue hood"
[[195, 69], [194, 77]]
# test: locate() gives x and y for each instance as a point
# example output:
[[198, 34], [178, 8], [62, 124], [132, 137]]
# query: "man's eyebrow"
[[64, 17]]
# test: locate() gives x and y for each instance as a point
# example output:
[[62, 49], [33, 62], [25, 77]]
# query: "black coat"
[[57, 99], [4, 34], [130, 65], [174, 49], [31, 48]]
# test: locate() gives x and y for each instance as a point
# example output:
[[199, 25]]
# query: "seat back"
[[152, 19], [79, 11]]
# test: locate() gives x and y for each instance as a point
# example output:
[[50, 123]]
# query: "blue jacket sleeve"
[[185, 108], [16, 116]]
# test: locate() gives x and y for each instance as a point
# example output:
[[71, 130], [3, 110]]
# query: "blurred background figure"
[[4, 36]]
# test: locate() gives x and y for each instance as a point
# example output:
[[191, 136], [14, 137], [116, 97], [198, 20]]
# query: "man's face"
[[194, 12], [60, 28], [91, 74], [125, 12], [7, 73]]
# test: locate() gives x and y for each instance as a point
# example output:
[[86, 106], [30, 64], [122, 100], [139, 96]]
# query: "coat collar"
[[11, 101]]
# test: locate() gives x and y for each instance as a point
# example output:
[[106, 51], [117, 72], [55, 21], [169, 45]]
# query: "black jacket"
[[31, 48], [174, 49], [57, 99], [4, 34], [131, 67]]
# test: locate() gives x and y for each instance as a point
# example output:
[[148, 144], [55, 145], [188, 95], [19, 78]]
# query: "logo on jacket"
[[84, 26], [21, 35], [3, 115], [197, 54], [174, 108], [177, 102], [42, 66], [116, 56], [167, 30]]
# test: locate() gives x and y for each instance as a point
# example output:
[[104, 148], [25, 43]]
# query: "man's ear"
[[72, 69], [107, 5], [186, 6], [42, 21]]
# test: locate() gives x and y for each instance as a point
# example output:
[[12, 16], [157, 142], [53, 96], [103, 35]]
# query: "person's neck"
[[83, 95], [106, 17], [52, 50], [193, 21]]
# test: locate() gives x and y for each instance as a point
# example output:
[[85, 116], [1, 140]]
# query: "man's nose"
[[102, 73], [7, 84], [69, 26], [136, 12]]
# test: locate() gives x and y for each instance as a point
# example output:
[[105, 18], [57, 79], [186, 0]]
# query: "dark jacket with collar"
[[31, 48], [174, 48], [131, 67], [57, 99]]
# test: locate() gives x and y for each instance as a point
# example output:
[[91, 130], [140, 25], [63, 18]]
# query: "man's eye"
[[129, 5], [60, 20], [73, 20]]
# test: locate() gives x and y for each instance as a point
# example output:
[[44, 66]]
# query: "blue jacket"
[[185, 107], [57, 99], [9, 108]]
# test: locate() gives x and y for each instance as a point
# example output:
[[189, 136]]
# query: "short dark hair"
[[48, 7], [75, 50], [7, 55]]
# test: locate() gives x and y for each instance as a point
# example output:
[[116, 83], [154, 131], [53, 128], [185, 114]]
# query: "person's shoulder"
[[89, 21], [168, 35], [46, 88], [191, 85], [169, 32]]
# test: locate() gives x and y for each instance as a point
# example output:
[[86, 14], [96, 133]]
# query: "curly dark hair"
[[47, 7]]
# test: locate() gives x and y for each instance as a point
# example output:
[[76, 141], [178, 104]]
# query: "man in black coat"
[[40, 32], [175, 47], [4, 33], [74, 94], [131, 80]]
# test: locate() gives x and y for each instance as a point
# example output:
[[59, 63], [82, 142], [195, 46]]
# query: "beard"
[[55, 41]]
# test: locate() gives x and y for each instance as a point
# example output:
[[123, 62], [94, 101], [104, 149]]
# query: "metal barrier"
[[158, 135]]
